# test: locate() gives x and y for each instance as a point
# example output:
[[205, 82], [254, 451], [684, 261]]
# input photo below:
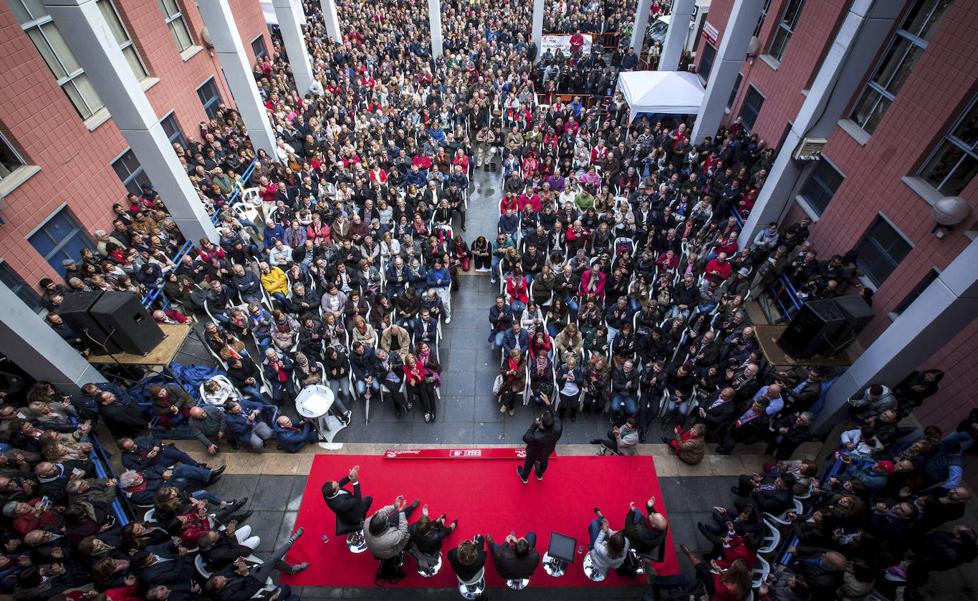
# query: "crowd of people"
[[622, 292], [64, 530]]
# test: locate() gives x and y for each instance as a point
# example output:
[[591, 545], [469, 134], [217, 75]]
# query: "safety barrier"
[[157, 293]]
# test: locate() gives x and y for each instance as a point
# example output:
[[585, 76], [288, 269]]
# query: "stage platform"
[[486, 496]]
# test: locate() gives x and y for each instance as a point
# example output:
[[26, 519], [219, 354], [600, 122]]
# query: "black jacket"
[[468, 572], [351, 508], [511, 567], [224, 552], [719, 416], [540, 443]]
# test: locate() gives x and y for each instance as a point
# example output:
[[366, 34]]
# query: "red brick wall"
[[75, 162], [943, 81]]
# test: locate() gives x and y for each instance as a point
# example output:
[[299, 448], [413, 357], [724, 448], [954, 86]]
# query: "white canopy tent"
[[669, 92], [271, 18]]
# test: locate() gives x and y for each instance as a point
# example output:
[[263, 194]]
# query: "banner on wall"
[[562, 43]]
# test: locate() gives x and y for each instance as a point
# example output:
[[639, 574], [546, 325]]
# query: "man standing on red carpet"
[[541, 440]]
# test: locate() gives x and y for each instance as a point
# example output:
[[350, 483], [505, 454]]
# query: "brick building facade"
[[67, 155], [882, 169]]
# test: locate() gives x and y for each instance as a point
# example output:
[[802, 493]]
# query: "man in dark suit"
[[425, 329], [541, 440], [772, 497], [120, 418], [516, 558], [717, 414], [645, 533], [163, 564], [350, 507], [750, 427]]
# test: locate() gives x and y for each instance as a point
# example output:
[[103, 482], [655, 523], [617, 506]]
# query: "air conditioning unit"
[[810, 149]]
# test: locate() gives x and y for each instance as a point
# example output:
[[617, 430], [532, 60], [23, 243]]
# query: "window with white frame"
[[258, 47], [751, 107], [19, 287], [881, 250], [760, 20], [130, 172], [172, 130], [907, 45], [821, 185], [209, 97], [954, 161], [173, 17], [39, 26], [122, 37], [733, 92], [786, 27], [706, 61], [60, 237], [10, 159]]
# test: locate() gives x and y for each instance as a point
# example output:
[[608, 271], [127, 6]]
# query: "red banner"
[[493, 453]]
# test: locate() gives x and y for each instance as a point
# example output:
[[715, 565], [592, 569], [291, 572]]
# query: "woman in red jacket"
[[730, 584], [517, 290], [191, 525], [421, 386]]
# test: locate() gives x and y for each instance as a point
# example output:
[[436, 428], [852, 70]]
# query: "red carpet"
[[486, 497]]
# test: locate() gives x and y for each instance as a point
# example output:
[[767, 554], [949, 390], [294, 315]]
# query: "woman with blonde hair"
[[570, 385], [569, 340], [363, 332], [513, 372]]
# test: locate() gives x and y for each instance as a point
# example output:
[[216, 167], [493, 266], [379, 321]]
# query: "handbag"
[[497, 384], [390, 571]]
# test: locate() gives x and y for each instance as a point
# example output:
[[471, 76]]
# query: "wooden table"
[[174, 335], [767, 338]]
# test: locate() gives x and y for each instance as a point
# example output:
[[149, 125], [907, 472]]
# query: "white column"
[[865, 28], [332, 20], [730, 55], [944, 308], [641, 24], [434, 21], [537, 31], [672, 48], [289, 24], [237, 71], [30, 343], [92, 43]]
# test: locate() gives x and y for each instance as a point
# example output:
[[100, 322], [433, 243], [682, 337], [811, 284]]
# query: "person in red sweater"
[[517, 290], [719, 269], [730, 584], [728, 245], [737, 547], [421, 386], [592, 282], [32, 515]]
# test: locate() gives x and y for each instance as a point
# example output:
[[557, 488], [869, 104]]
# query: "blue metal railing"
[[783, 293], [103, 469], [157, 293]]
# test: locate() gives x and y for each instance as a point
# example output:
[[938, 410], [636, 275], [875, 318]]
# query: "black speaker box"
[[131, 325], [814, 329], [860, 314], [75, 312]]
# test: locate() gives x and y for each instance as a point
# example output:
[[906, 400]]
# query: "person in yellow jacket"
[[274, 282]]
